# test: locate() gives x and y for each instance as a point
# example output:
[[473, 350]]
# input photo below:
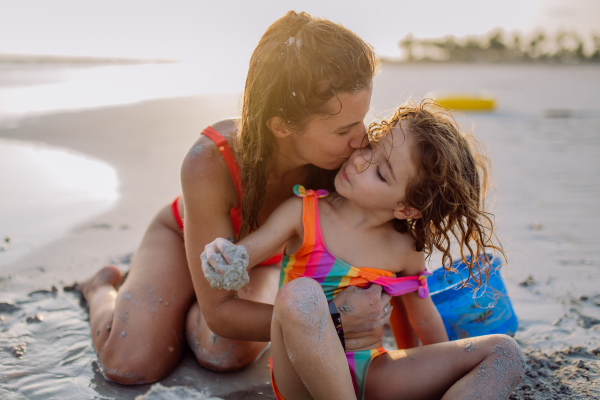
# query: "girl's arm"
[[421, 313], [425, 319], [284, 223]]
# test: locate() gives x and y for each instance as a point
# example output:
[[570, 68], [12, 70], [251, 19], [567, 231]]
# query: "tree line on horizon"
[[499, 47]]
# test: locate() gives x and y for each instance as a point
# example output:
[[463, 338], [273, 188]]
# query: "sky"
[[227, 31], [216, 38]]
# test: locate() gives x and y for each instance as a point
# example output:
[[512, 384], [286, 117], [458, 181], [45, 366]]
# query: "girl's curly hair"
[[449, 188]]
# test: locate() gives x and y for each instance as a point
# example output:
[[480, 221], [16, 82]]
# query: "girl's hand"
[[224, 265], [215, 251], [363, 310]]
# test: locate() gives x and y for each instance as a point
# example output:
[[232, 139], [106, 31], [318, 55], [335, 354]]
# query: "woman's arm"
[[209, 194]]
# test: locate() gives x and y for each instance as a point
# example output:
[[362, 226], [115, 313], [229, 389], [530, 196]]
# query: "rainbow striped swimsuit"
[[314, 260]]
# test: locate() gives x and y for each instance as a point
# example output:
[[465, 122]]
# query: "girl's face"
[[328, 141], [376, 178]]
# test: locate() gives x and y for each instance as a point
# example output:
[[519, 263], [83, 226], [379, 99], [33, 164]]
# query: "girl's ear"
[[278, 128], [407, 213]]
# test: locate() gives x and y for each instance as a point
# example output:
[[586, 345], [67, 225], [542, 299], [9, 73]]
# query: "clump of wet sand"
[[160, 392], [573, 373], [224, 275]]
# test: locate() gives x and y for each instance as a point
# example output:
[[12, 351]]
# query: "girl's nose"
[[361, 159]]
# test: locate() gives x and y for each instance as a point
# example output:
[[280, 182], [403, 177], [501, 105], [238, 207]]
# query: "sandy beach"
[[544, 142]]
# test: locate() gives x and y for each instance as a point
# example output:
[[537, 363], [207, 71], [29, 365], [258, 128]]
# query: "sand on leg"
[[308, 358], [485, 367], [138, 331], [221, 354]]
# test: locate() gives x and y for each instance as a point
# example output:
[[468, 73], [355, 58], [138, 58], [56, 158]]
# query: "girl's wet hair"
[[449, 189], [299, 63]]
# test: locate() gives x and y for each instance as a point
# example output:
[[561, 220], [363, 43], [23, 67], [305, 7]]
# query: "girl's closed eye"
[[378, 172], [344, 133]]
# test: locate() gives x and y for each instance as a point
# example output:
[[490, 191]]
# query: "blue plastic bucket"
[[467, 313]]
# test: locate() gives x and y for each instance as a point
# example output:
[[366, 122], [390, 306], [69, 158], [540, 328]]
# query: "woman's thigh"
[[428, 372], [152, 304]]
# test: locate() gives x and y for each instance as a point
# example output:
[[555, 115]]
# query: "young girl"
[[419, 182]]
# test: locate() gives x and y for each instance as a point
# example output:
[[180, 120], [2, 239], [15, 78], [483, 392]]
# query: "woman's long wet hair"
[[449, 189], [300, 63]]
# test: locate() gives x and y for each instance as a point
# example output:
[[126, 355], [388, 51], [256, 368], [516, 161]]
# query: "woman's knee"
[[214, 352], [302, 302], [143, 366]]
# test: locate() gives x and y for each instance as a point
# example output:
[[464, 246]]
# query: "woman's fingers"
[[363, 309]]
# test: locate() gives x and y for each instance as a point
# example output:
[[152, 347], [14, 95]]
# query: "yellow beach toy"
[[467, 102]]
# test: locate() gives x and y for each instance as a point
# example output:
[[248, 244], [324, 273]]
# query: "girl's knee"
[[300, 300], [508, 355]]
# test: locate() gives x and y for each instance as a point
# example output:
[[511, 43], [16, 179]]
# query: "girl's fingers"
[[213, 256], [224, 247]]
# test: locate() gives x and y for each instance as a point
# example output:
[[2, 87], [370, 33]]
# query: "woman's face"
[[327, 141]]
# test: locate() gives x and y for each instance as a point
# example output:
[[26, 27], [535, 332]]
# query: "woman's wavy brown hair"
[[300, 63], [453, 177]]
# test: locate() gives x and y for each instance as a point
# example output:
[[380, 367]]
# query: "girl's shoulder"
[[402, 252]]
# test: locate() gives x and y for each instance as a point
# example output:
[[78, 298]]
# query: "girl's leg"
[[219, 354], [308, 358], [138, 331], [486, 367]]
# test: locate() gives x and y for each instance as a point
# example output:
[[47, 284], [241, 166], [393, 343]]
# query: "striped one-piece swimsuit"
[[314, 260]]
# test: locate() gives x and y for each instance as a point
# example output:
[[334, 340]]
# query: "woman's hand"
[[363, 310]]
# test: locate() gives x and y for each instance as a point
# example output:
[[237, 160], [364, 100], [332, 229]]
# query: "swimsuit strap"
[[310, 216], [227, 154]]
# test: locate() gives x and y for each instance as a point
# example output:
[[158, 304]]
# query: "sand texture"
[[160, 392], [547, 175], [224, 275], [573, 373]]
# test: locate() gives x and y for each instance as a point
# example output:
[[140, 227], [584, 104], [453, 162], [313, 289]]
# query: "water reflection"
[[39, 90], [45, 191]]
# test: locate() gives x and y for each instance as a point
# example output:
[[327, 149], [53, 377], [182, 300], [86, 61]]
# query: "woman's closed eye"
[[378, 172]]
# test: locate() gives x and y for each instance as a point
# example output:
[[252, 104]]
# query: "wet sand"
[[544, 141]]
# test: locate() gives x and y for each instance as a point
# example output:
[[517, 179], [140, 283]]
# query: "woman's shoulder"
[[204, 166], [227, 128]]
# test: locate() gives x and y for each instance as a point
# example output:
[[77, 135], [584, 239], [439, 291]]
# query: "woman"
[[307, 92]]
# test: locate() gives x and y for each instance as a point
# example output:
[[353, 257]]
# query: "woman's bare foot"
[[109, 275]]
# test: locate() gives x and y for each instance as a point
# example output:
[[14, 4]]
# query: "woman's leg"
[[217, 353], [486, 367], [138, 331], [308, 358]]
